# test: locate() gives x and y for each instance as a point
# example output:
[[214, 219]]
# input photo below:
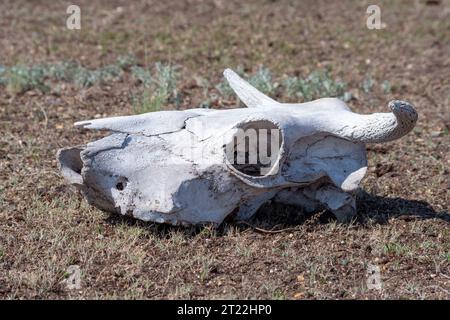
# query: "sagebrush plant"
[[160, 85], [368, 84], [20, 78], [224, 88], [159, 88], [3, 70], [146, 102], [81, 76], [160, 82], [318, 84], [262, 80], [166, 80], [142, 75], [126, 61], [386, 86]]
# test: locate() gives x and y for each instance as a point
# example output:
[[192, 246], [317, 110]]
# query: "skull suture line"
[[200, 165]]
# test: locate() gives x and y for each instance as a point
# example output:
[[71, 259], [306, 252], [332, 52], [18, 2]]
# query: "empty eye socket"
[[250, 155], [121, 184]]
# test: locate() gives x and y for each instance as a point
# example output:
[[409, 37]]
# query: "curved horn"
[[373, 128], [249, 95], [378, 127]]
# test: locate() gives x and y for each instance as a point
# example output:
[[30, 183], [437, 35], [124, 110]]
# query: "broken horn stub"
[[199, 166]]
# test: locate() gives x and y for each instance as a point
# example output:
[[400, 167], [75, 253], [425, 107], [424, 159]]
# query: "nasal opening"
[[70, 164]]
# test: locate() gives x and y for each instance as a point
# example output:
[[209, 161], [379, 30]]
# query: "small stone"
[[299, 295]]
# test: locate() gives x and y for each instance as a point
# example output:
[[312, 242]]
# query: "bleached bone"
[[181, 167]]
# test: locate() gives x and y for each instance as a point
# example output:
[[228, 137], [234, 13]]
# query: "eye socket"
[[254, 148], [121, 183], [120, 186]]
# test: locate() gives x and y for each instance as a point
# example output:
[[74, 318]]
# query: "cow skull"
[[201, 165]]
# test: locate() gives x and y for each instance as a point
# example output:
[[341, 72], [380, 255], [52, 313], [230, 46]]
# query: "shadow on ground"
[[371, 209], [381, 209], [274, 217]]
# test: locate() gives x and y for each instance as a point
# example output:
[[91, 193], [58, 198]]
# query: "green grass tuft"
[[395, 249]]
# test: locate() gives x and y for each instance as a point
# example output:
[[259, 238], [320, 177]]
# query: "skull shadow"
[[272, 217], [371, 209]]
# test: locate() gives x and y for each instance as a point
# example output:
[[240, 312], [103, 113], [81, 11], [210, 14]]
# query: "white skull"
[[200, 165]]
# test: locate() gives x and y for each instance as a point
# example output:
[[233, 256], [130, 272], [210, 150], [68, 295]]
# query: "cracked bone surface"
[[201, 165]]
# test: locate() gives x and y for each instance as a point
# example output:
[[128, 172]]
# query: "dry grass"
[[403, 223]]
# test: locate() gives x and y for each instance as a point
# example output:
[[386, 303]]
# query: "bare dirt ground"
[[403, 220]]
